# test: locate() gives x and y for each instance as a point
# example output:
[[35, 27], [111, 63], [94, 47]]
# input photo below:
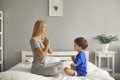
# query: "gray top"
[[38, 66], [37, 60]]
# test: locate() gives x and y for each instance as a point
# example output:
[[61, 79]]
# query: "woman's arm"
[[50, 50], [42, 53]]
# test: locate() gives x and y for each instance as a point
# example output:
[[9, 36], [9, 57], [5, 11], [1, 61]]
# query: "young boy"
[[79, 65]]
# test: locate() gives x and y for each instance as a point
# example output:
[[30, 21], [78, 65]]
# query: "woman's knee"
[[54, 71]]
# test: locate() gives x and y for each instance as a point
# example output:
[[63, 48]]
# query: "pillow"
[[30, 59], [50, 59]]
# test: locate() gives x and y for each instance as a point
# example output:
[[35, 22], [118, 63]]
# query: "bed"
[[61, 59]]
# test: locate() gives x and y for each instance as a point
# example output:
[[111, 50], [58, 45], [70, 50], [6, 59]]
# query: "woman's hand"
[[46, 42]]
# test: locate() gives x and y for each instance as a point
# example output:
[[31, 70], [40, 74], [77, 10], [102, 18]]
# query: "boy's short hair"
[[81, 42]]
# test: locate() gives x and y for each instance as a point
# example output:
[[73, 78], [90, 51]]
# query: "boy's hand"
[[73, 58], [73, 65]]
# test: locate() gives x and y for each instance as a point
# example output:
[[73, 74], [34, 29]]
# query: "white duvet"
[[22, 72]]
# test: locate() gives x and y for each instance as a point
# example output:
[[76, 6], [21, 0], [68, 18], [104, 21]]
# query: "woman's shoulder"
[[34, 39]]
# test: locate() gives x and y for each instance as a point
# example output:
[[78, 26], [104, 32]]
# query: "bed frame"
[[62, 55]]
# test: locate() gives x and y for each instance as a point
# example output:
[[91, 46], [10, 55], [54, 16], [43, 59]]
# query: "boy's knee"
[[69, 71], [65, 69]]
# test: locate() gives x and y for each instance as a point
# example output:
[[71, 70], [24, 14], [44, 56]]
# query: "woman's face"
[[44, 28]]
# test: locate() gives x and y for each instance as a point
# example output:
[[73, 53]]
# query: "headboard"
[[62, 55]]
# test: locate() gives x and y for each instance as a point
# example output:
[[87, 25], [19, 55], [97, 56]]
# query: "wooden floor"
[[117, 76]]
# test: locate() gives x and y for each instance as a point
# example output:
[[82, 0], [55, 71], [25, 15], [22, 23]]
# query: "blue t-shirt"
[[81, 63]]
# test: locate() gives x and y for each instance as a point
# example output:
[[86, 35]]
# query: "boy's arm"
[[73, 65], [73, 58]]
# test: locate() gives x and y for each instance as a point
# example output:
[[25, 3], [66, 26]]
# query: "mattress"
[[21, 71]]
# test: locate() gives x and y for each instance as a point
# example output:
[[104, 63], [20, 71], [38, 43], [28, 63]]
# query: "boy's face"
[[76, 47]]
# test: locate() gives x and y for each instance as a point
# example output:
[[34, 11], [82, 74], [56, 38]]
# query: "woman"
[[40, 50]]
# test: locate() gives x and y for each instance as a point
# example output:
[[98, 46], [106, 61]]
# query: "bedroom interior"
[[60, 59], [87, 18]]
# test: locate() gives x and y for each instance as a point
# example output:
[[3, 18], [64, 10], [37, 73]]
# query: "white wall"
[[86, 18]]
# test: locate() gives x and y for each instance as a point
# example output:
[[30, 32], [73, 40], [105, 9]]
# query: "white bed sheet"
[[21, 71]]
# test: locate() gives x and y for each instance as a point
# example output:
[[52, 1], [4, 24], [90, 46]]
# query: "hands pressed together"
[[73, 65], [46, 42]]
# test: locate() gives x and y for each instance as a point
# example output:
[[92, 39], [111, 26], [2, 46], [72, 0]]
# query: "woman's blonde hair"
[[38, 28]]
